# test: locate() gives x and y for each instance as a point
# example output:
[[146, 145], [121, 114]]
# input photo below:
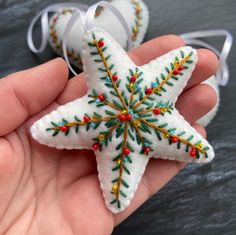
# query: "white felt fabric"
[[106, 20], [84, 140]]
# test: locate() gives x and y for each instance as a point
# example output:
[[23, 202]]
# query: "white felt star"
[[127, 116]]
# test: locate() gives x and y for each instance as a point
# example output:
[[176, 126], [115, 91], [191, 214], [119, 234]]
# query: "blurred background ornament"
[[134, 12]]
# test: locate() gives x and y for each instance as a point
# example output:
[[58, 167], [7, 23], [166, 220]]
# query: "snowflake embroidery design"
[[129, 116]]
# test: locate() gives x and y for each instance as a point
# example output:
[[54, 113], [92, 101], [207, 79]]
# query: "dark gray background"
[[202, 198]]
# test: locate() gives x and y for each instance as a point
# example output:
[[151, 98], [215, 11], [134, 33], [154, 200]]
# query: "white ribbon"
[[82, 11], [66, 34], [88, 22], [193, 38], [44, 23]]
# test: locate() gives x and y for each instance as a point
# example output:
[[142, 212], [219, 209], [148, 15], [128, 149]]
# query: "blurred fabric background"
[[202, 198]]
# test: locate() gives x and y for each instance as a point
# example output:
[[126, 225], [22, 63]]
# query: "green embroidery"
[[130, 113], [58, 42], [138, 18]]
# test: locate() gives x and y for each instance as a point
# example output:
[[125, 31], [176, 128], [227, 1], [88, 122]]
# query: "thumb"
[[27, 92]]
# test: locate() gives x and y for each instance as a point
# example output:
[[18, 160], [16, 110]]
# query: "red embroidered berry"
[[147, 150], [122, 117], [95, 147], [100, 43], [174, 140], [86, 118], [149, 91], [156, 111], [128, 117], [176, 72], [101, 98], [63, 128], [133, 79], [181, 68], [126, 151], [114, 77], [193, 153]]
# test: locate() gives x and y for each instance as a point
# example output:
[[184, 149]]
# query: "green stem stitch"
[[80, 123], [165, 80], [121, 161], [105, 102], [138, 131], [138, 17], [162, 110], [109, 73], [165, 132]]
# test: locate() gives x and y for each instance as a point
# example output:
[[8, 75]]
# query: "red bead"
[[95, 147], [193, 153], [174, 140], [122, 117], [63, 128], [176, 72], [149, 91], [126, 151], [147, 150], [114, 77], [101, 98], [156, 111], [100, 43], [133, 79], [128, 117], [181, 68], [86, 118]]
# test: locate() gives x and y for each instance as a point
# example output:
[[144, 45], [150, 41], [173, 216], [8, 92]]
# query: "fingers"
[[25, 93], [196, 102], [155, 48], [207, 66], [75, 88], [157, 174]]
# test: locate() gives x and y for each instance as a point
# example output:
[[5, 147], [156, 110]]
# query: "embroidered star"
[[127, 116]]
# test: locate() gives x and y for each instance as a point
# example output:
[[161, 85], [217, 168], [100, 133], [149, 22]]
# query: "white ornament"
[[127, 117], [135, 13]]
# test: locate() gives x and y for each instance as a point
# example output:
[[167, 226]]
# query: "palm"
[[52, 180], [53, 191]]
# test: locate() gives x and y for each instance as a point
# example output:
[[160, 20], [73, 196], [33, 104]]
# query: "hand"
[[49, 191]]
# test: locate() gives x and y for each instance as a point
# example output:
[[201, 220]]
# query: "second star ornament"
[[127, 116]]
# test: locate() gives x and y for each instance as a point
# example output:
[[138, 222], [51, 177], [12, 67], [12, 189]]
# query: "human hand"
[[48, 191]]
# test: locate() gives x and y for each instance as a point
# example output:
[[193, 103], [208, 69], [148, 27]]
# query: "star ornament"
[[127, 117]]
